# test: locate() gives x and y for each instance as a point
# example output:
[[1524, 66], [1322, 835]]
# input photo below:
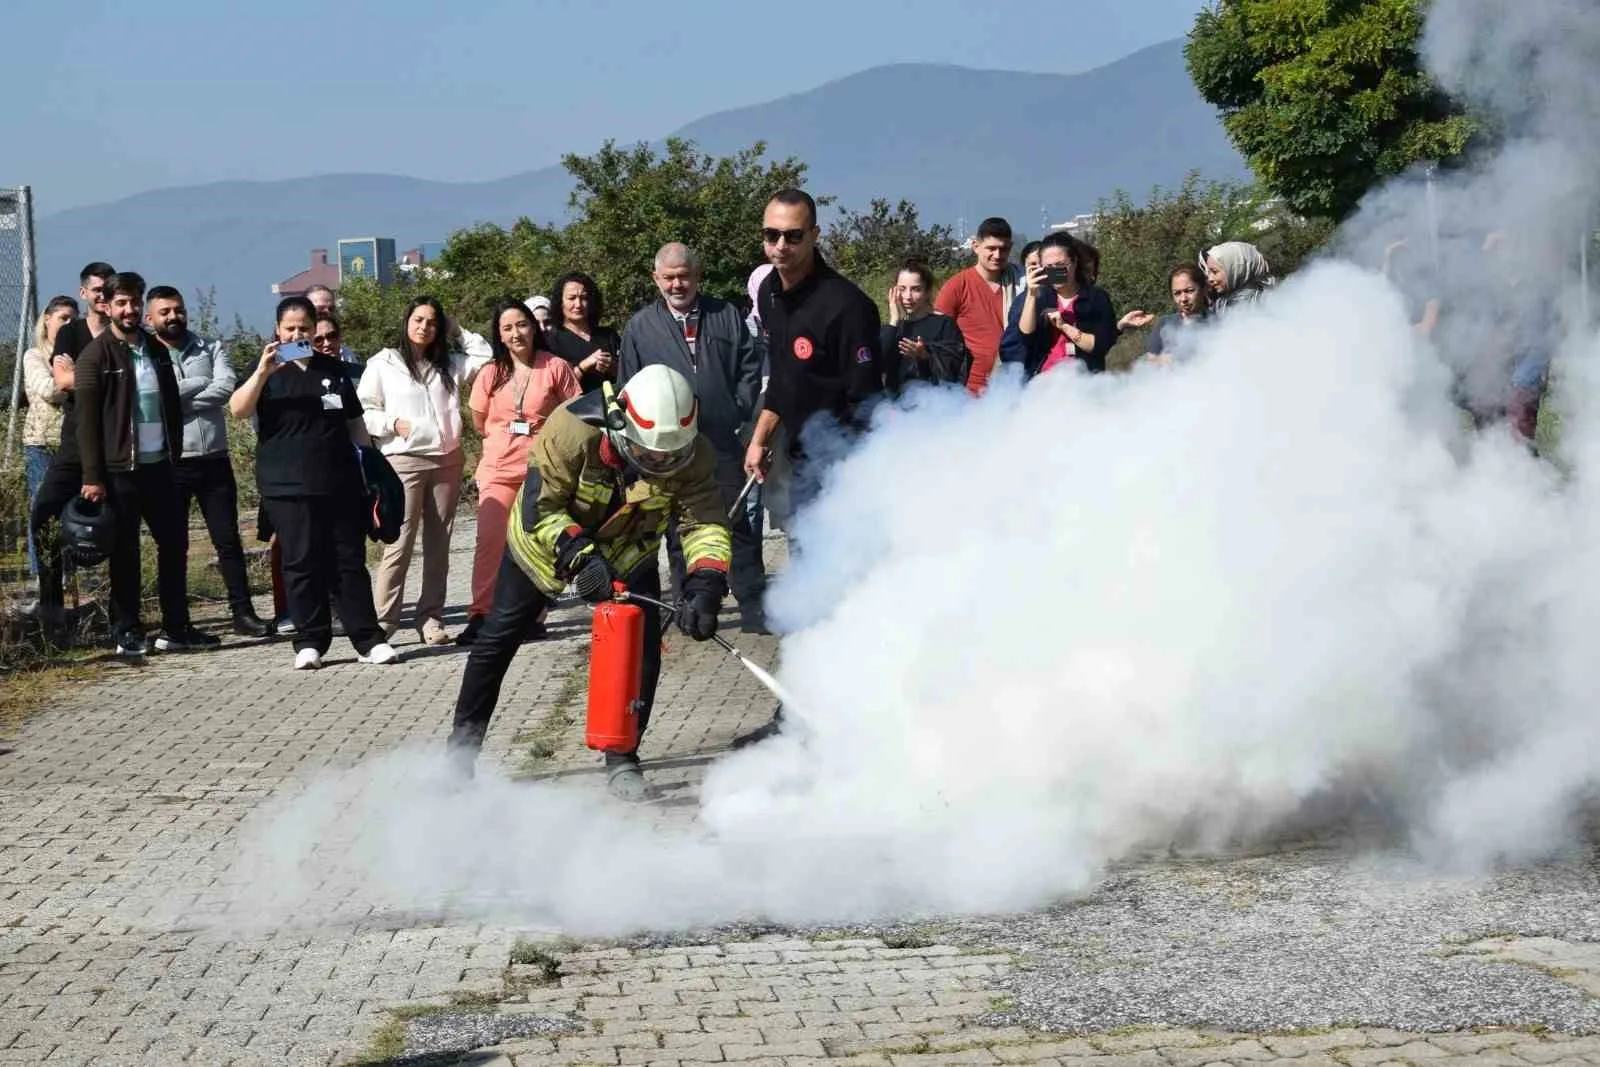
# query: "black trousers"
[[148, 492], [324, 540], [517, 604], [62, 481], [209, 480], [747, 578]]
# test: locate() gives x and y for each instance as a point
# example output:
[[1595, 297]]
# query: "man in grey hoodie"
[[705, 340], [204, 471]]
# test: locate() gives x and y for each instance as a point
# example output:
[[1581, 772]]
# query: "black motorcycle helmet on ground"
[[88, 531]]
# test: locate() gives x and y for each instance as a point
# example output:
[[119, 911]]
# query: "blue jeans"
[[752, 508], [35, 461]]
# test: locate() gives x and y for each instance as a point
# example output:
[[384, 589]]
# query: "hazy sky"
[[108, 98]]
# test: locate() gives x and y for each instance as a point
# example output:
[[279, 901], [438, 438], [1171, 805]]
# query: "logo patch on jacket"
[[803, 348], [864, 354]]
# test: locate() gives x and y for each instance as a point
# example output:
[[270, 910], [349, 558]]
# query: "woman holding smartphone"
[[309, 477], [1065, 319]]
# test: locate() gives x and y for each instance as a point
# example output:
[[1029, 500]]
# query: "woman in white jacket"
[[411, 401]]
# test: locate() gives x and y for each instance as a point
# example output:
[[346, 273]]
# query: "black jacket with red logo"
[[822, 337]]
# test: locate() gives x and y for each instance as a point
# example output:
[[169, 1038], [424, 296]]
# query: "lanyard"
[[527, 380]]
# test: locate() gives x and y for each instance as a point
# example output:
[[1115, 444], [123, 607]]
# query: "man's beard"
[[172, 332]]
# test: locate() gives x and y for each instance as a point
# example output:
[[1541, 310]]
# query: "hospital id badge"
[[332, 402], [519, 428]]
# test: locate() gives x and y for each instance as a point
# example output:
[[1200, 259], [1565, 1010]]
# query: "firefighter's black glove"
[[578, 560], [593, 580], [573, 549], [702, 598]]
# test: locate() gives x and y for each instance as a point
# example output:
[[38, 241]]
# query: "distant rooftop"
[[321, 272]]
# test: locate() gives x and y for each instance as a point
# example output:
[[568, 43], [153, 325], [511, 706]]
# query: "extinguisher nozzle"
[[761, 675]]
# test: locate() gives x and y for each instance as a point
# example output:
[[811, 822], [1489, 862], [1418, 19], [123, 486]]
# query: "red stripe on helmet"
[[633, 412], [688, 420]]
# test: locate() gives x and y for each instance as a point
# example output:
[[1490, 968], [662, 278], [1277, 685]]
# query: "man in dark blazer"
[[705, 340]]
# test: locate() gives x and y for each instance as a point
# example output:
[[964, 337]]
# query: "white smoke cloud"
[[1037, 632]]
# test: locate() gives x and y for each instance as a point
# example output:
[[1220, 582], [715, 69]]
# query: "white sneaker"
[[381, 653], [308, 659]]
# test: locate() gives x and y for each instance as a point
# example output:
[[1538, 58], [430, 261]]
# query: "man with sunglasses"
[[822, 342], [203, 471], [824, 360], [63, 479]]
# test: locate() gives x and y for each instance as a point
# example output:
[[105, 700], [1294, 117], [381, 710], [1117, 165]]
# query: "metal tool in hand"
[[749, 484], [760, 672]]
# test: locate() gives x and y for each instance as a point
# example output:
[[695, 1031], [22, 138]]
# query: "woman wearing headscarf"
[[1238, 275]]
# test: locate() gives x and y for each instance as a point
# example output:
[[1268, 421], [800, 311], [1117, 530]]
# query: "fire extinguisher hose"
[[761, 674]]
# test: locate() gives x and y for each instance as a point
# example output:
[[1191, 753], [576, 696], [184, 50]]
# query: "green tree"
[[483, 265], [1140, 243], [626, 203], [203, 321], [1325, 98], [372, 316], [871, 244], [629, 202], [244, 347]]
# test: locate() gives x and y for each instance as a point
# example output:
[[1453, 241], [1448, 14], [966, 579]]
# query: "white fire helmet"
[[659, 421]]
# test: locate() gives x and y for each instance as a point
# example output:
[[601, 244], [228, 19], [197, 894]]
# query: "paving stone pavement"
[[120, 800], [124, 801]]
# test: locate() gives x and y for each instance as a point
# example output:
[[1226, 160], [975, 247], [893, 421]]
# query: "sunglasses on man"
[[772, 236]]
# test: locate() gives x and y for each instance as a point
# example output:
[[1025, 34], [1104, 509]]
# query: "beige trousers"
[[433, 486]]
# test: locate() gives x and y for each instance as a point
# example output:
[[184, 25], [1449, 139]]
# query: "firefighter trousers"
[[518, 604]]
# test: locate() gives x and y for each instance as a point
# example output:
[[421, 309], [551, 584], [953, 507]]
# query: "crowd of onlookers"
[[129, 411]]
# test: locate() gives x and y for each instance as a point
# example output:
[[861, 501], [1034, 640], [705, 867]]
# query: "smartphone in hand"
[[289, 351]]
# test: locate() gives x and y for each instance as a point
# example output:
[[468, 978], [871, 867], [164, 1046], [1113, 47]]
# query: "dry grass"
[[26, 689]]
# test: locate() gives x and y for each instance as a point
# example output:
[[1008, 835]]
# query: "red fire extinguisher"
[[614, 657]]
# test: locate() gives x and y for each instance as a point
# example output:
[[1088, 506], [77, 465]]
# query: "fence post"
[[27, 311]]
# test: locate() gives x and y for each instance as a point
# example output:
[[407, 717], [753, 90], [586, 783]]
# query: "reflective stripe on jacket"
[[571, 487]]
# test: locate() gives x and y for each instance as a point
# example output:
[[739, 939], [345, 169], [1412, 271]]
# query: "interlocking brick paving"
[[120, 940]]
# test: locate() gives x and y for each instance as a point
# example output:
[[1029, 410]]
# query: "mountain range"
[[959, 143]]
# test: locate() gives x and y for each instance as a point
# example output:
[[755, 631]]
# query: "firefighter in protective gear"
[[605, 474]]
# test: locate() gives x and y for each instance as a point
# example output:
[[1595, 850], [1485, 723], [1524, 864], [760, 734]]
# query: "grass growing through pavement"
[[544, 737], [527, 954], [389, 1043]]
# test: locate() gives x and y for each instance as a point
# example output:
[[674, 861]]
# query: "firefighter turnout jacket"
[[578, 484]]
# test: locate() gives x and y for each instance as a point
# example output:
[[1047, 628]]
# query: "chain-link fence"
[[19, 298], [19, 306]]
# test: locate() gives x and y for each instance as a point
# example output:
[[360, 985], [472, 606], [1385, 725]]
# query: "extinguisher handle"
[[619, 590]]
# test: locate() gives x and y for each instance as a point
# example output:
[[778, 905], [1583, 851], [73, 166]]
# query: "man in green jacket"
[[607, 472]]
